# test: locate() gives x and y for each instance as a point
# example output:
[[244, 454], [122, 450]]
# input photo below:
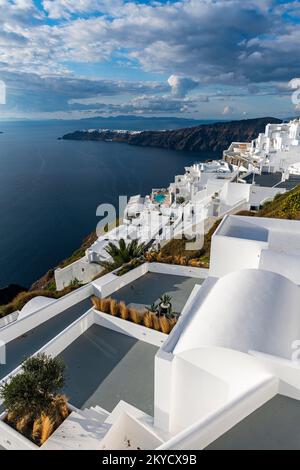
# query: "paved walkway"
[[27, 344]]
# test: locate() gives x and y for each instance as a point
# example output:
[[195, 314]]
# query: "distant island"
[[214, 137]]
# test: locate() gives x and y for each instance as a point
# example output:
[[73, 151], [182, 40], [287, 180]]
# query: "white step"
[[92, 413], [100, 410], [77, 432]]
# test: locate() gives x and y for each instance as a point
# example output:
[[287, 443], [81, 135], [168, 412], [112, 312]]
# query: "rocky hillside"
[[214, 137]]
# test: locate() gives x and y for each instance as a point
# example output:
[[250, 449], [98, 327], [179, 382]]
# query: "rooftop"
[[119, 368], [30, 342], [148, 288], [273, 426]]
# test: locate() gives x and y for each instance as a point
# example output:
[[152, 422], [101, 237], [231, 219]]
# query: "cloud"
[[228, 110], [32, 92], [67, 8], [181, 86], [222, 42], [219, 48]]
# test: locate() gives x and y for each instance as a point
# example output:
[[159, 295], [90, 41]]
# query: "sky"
[[202, 59]]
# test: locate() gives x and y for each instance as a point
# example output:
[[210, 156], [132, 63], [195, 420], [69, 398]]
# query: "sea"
[[50, 188]]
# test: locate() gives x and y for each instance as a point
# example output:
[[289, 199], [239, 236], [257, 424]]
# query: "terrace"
[[104, 367], [147, 289], [27, 344], [273, 426]]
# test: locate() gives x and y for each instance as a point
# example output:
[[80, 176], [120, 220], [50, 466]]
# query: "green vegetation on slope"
[[175, 252], [283, 206]]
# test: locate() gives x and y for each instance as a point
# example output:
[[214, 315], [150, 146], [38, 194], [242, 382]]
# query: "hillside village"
[[186, 349]]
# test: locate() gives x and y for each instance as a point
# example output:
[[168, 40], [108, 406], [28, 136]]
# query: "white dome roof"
[[246, 310], [35, 304]]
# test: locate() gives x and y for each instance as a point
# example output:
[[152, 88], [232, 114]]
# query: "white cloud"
[[56, 9], [228, 110], [196, 43], [181, 86]]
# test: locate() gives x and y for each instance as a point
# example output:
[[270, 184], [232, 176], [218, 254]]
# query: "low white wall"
[[9, 318], [110, 283], [178, 270], [231, 254], [68, 335], [163, 384], [201, 434], [13, 440], [80, 269], [19, 327], [60, 342], [128, 328]]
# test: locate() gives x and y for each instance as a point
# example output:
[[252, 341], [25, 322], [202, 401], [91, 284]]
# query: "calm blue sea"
[[50, 189]]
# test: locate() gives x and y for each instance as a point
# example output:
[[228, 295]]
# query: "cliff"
[[214, 137]]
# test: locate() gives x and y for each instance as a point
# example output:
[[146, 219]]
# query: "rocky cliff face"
[[206, 137]]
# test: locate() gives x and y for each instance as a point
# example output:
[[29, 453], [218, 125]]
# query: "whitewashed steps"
[[96, 413], [80, 431]]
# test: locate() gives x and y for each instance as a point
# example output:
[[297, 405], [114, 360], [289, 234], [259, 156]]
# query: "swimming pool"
[[159, 198]]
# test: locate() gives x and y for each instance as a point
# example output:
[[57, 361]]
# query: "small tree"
[[32, 391], [122, 253]]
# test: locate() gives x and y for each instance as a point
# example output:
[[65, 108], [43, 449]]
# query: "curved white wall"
[[246, 310]]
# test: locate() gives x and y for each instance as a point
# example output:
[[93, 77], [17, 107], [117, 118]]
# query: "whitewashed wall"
[[202, 433], [81, 270], [13, 440], [177, 270], [9, 319], [110, 283], [69, 334], [128, 328], [231, 254], [19, 327]]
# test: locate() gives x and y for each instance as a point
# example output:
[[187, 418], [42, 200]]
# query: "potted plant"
[[35, 407], [165, 306], [153, 308]]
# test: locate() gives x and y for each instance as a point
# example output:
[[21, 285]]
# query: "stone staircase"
[[96, 429], [82, 430]]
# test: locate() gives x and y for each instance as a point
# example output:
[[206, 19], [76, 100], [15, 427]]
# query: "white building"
[[192, 203], [232, 352], [272, 151]]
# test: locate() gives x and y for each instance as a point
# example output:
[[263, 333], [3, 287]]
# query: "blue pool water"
[[159, 198]]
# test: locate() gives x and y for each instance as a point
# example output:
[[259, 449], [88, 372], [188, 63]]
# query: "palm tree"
[[122, 253]]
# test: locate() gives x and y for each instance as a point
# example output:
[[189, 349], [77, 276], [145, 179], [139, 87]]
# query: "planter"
[[164, 308], [11, 439]]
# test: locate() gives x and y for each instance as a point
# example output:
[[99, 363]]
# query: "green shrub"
[[31, 392]]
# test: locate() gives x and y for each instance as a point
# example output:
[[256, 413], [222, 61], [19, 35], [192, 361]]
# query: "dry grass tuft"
[[135, 316], [22, 423], [173, 322], [96, 302], [47, 428], [156, 323], [148, 319], [60, 406], [105, 305], [37, 429], [124, 314], [164, 325], [114, 308]]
